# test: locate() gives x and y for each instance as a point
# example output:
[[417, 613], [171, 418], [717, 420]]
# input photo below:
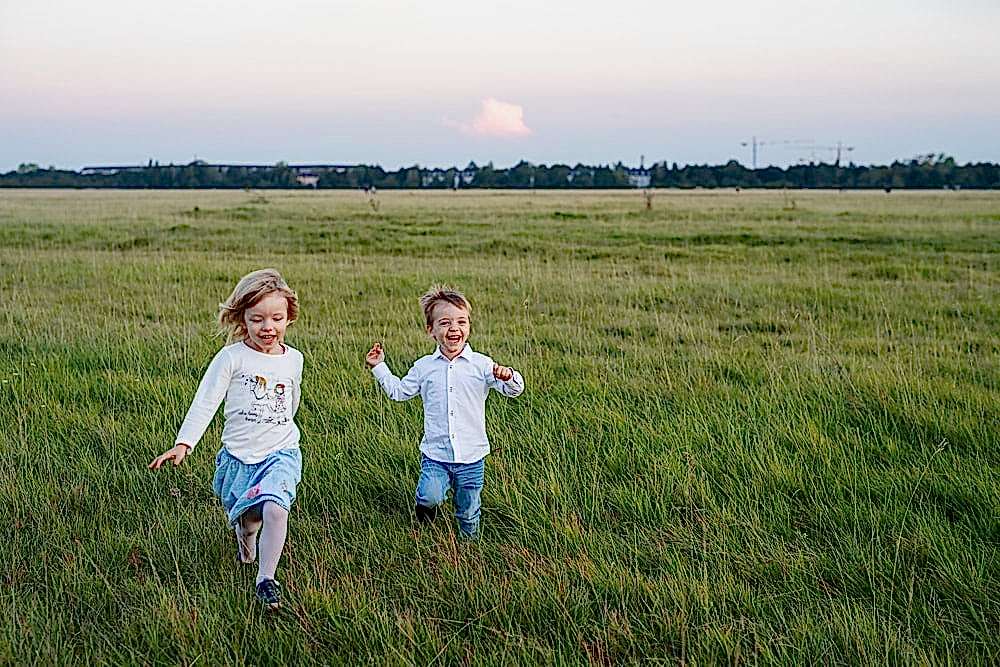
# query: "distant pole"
[[753, 149], [841, 148]]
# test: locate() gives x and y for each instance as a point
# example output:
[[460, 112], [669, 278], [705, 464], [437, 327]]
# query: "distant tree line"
[[928, 171]]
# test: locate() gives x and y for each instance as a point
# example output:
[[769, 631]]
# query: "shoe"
[[426, 514], [269, 593]]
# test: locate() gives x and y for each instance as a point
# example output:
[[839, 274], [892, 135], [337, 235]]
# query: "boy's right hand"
[[177, 453], [375, 356]]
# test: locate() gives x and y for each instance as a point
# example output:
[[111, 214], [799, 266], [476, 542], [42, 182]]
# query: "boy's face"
[[266, 322], [449, 326]]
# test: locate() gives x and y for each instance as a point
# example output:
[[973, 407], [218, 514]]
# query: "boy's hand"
[[375, 356], [502, 372], [177, 453]]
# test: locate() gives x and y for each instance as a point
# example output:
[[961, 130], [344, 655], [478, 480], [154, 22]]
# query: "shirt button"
[[451, 389]]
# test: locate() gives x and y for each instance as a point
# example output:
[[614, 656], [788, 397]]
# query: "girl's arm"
[[298, 386], [175, 453], [211, 391]]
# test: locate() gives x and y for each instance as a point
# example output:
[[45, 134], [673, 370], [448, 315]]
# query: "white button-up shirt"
[[454, 396]]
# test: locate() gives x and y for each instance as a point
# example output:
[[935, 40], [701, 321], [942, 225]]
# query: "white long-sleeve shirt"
[[262, 394], [454, 397]]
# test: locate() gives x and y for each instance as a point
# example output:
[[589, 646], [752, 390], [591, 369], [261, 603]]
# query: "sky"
[[440, 83]]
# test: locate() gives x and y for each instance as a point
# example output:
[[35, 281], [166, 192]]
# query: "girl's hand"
[[502, 372], [375, 356], [177, 453]]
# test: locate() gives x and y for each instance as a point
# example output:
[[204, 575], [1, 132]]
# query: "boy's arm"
[[211, 391], [511, 387], [396, 389]]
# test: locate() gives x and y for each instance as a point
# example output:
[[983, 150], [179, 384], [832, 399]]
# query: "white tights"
[[270, 521]]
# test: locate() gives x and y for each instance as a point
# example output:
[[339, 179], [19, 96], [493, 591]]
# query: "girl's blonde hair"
[[249, 291]]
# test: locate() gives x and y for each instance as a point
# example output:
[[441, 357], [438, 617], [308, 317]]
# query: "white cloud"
[[496, 119]]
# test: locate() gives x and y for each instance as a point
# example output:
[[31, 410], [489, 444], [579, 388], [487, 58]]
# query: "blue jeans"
[[437, 478]]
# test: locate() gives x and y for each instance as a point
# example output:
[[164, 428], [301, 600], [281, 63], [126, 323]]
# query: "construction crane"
[[756, 143], [839, 149]]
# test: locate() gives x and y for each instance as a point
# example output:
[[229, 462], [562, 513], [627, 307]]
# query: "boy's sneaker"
[[426, 514], [269, 593]]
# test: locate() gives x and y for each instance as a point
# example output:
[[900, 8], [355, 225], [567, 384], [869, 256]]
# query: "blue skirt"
[[240, 485]]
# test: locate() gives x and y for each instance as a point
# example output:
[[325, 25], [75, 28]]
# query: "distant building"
[[469, 173], [430, 177], [308, 179], [313, 168], [110, 170], [298, 169], [639, 178]]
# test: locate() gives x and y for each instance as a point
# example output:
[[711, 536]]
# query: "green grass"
[[758, 427]]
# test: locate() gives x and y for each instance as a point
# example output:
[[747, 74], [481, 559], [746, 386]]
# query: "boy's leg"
[[246, 534], [272, 539], [432, 488], [468, 488]]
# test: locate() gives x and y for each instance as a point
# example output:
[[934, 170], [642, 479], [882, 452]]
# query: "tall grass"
[[751, 432]]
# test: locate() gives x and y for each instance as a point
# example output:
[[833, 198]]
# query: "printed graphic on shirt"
[[269, 402]]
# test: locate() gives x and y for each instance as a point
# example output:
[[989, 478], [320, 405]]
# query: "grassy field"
[[759, 427]]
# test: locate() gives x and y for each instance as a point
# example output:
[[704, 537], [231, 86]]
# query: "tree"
[[411, 179]]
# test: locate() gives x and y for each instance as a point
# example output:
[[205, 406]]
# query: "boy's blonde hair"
[[439, 293], [249, 291]]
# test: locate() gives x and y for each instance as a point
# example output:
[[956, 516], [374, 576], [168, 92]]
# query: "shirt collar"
[[466, 352]]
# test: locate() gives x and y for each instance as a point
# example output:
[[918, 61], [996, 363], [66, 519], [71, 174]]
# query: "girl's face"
[[266, 322]]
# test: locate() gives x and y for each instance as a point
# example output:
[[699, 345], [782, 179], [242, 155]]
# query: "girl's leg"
[[272, 539], [468, 487], [246, 534]]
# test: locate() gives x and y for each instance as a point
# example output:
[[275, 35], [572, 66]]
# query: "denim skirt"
[[240, 485]]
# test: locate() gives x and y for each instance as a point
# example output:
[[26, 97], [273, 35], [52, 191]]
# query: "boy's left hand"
[[375, 356], [504, 373]]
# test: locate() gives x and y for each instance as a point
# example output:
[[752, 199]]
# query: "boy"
[[453, 384]]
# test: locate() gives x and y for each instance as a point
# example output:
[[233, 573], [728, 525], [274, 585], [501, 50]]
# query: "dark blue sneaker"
[[269, 593], [425, 514]]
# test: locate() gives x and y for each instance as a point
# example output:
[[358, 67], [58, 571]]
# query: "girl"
[[260, 463]]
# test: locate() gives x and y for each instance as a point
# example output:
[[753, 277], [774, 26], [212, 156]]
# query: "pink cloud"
[[496, 119]]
